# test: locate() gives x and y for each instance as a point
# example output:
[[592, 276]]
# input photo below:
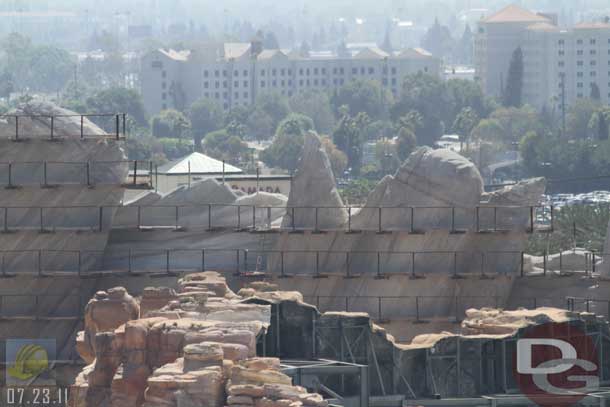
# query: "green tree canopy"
[[117, 100], [224, 146], [316, 105], [514, 82], [205, 116], [426, 95], [170, 123], [362, 96]]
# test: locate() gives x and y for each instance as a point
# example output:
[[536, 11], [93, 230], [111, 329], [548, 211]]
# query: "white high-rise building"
[[238, 72], [560, 65]]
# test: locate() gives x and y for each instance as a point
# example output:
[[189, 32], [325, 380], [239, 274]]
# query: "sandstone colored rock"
[[249, 390], [154, 298], [198, 356]]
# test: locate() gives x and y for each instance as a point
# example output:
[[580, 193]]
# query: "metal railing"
[[418, 307], [587, 304], [284, 263], [42, 306], [213, 217], [50, 174], [117, 120]]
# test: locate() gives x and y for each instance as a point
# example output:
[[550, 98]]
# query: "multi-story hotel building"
[[241, 71], [560, 65]]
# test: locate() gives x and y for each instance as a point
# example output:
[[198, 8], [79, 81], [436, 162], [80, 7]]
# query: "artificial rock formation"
[[195, 347], [428, 179], [313, 185]]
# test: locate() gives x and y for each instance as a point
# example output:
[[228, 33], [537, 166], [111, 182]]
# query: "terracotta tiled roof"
[[514, 14], [592, 26]]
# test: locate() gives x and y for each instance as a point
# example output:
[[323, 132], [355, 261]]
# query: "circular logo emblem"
[[31, 360], [556, 365]]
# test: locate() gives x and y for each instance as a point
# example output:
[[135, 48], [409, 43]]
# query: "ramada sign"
[[556, 364]]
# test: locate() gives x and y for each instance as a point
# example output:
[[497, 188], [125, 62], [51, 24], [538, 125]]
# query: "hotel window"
[[579, 95], [301, 82], [236, 95], [245, 72], [163, 74], [561, 63], [341, 71], [579, 85], [579, 42], [335, 81], [315, 71], [205, 73], [206, 95], [592, 41], [301, 71], [274, 83], [393, 81], [206, 85], [334, 71], [393, 70], [289, 82], [384, 70], [245, 84], [283, 83], [289, 72], [236, 84], [579, 52], [371, 71], [323, 82], [236, 73], [323, 71], [307, 71], [592, 52], [164, 96], [273, 72], [593, 73], [246, 94], [163, 85], [224, 73], [579, 74], [217, 95], [217, 73], [262, 84], [315, 82], [341, 81], [593, 63], [579, 63], [217, 85], [282, 71], [224, 84], [362, 70], [262, 72], [385, 81], [561, 42], [354, 71]]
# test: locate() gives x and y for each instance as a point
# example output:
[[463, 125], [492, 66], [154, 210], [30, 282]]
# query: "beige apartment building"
[[237, 72], [560, 64]]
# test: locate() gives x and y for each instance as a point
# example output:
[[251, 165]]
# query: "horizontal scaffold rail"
[[51, 174], [382, 308], [116, 121], [282, 263], [261, 218], [419, 307], [54, 307]]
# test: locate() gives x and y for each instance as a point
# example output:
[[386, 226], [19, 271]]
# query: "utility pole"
[[563, 103]]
